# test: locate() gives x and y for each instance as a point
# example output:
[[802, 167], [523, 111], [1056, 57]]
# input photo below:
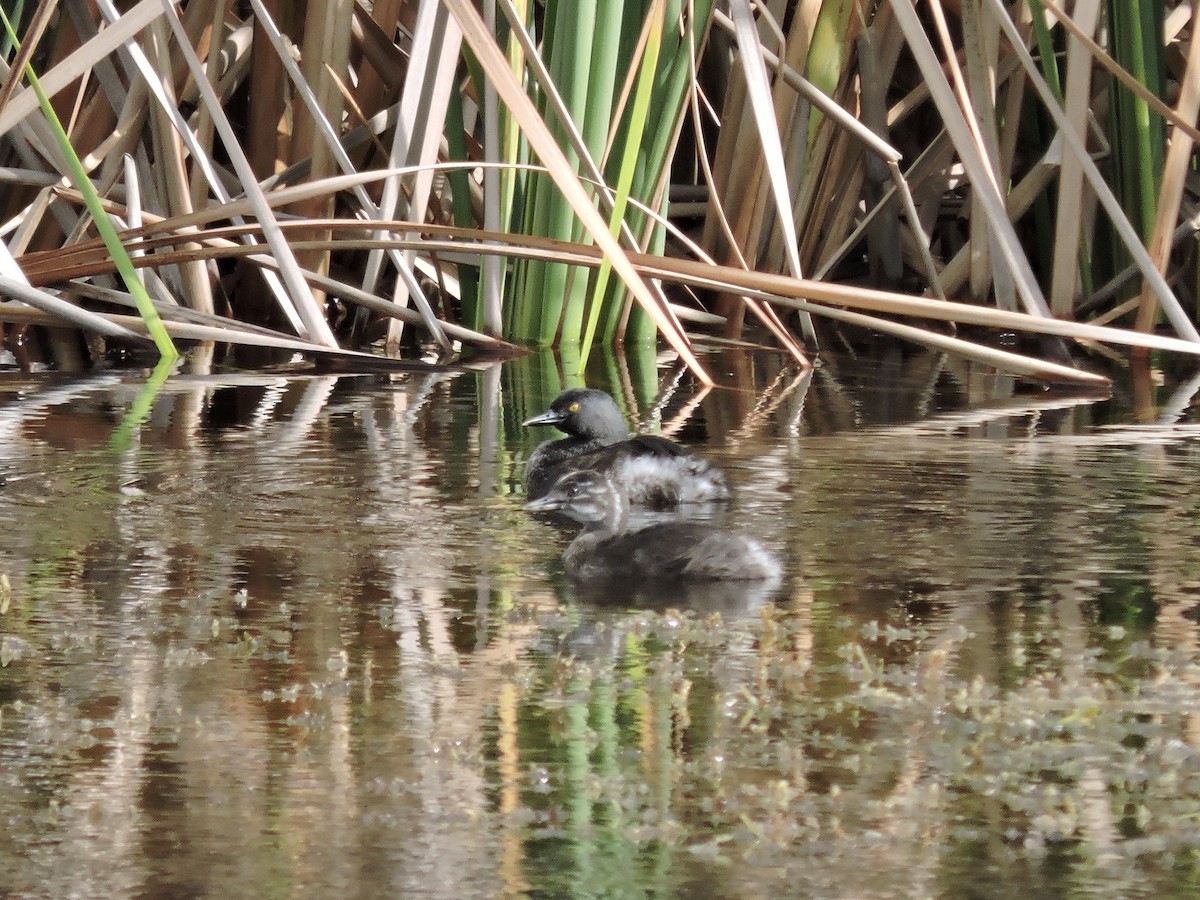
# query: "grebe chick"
[[672, 550]]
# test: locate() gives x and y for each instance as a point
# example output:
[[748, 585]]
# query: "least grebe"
[[651, 470], [663, 551]]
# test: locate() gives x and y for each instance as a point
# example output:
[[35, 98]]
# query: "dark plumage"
[[650, 470], [674, 550]]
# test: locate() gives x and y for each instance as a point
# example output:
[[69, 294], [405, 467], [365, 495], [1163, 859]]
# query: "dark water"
[[296, 637]]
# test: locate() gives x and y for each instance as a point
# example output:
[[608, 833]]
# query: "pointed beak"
[[549, 417], [543, 504]]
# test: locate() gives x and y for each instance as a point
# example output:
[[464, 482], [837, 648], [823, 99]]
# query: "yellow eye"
[[574, 407]]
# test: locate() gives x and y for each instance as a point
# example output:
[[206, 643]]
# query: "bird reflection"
[[732, 599]]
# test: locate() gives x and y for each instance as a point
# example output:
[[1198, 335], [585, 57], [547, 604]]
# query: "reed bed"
[[434, 177]]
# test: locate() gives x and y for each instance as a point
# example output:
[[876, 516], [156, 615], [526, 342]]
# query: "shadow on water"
[[285, 634]]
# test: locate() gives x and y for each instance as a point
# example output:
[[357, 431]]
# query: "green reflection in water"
[[141, 406]]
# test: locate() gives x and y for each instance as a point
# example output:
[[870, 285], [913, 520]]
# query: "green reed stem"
[[629, 161], [460, 184], [91, 199]]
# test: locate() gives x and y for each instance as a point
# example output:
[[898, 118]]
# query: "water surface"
[[295, 636]]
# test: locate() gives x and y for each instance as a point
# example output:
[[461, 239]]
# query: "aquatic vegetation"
[[554, 173]]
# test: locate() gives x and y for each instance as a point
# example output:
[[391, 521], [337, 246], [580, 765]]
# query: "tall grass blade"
[[162, 340], [1136, 35], [428, 83], [197, 143], [588, 153], [496, 65], [1176, 170], [16, 12], [1135, 87], [633, 141], [1179, 320], [1064, 277], [980, 49], [171, 168], [13, 284], [301, 297], [37, 25], [980, 173], [331, 141], [490, 318], [768, 135], [325, 55], [460, 186], [79, 62]]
